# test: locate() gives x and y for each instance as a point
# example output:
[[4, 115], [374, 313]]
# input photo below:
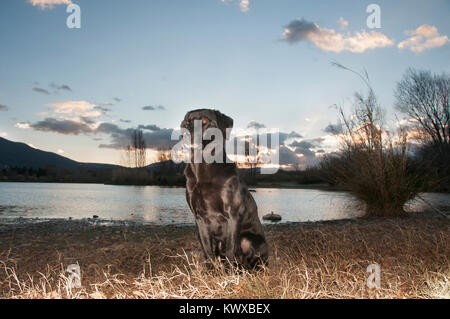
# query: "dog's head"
[[209, 119]]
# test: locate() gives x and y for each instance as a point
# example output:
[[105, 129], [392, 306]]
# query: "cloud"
[[155, 137], [153, 108], [255, 125], [63, 87], [331, 41], [342, 23], [102, 109], [287, 156], [116, 99], [56, 87], [282, 137], [305, 152], [3, 107], [158, 139], [424, 37], [303, 144], [77, 108], [87, 120], [66, 127], [106, 104], [48, 4], [149, 127], [40, 90], [299, 30], [109, 128], [80, 117], [3, 134], [23, 125], [60, 151], [308, 143], [244, 5], [124, 121], [334, 128], [307, 149], [286, 136]]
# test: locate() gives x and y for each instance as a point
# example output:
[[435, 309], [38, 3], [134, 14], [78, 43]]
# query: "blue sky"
[[179, 55]]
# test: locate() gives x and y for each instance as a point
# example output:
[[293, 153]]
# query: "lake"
[[165, 205]]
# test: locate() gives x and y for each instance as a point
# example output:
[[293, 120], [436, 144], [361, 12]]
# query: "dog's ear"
[[185, 121], [224, 122]]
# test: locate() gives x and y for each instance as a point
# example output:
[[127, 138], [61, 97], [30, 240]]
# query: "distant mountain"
[[15, 154], [168, 166]]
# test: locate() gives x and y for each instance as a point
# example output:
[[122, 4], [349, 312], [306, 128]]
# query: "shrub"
[[372, 163]]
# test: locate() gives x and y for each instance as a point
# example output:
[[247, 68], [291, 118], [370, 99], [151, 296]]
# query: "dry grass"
[[312, 260]]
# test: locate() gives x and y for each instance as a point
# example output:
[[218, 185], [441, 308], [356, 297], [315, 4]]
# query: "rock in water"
[[272, 217]]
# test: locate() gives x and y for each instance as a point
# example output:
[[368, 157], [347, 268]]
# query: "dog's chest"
[[205, 200]]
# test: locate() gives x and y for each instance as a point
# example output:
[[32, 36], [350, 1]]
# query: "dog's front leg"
[[231, 241], [205, 238]]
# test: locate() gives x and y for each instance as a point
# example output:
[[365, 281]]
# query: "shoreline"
[[320, 186], [101, 222]]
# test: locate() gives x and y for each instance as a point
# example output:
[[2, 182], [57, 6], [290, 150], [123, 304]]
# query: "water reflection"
[[159, 205]]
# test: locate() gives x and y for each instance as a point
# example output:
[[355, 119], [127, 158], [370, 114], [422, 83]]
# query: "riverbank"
[[308, 260], [293, 185]]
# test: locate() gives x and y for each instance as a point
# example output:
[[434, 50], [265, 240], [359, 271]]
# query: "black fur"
[[225, 212]]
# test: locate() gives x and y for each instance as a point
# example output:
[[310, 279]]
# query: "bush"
[[373, 164]]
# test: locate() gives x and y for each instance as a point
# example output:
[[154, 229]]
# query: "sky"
[[145, 63]]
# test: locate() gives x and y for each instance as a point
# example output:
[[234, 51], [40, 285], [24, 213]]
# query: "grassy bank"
[[308, 260]]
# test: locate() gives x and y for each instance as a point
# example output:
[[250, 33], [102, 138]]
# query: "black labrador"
[[225, 212]]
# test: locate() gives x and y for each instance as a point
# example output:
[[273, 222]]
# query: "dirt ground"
[[308, 260]]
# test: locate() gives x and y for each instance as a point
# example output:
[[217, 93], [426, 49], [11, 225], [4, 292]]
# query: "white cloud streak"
[[329, 40], [23, 125], [342, 23], [424, 37], [244, 5], [76, 108], [48, 4]]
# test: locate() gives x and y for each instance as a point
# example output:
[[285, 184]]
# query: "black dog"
[[225, 212]]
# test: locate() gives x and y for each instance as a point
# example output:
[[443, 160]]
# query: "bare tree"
[[140, 148], [252, 158], [424, 97], [136, 150]]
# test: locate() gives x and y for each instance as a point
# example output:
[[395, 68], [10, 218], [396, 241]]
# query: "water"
[[165, 205]]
